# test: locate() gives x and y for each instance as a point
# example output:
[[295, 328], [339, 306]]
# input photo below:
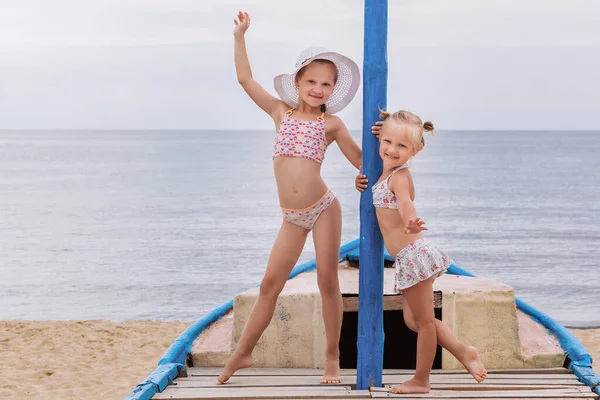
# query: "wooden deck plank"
[[515, 397], [215, 371], [490, 380], [435, 386], [303, 383], [306, 380], [559, 393], [211, 371], [322, 388], [253, 393], [497, 380], [490, 387], [256, 381]]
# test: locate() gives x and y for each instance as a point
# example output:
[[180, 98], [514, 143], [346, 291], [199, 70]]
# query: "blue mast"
[[370, 298]]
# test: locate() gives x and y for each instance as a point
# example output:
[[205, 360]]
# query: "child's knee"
[[410, 323], [270, 287], [424, 323], [328, 283]]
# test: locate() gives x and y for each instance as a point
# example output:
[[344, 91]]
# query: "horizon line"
[[263, 130]]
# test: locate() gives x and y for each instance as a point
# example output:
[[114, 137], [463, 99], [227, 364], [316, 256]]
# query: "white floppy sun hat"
[[344, 89]]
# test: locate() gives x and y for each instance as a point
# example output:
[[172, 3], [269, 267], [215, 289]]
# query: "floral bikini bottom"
[[307, 217]]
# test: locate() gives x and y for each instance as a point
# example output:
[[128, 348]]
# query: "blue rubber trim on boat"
[[156, 381], [588, 376], [575, 350], [174, 358], [179, 349], [580, 361]]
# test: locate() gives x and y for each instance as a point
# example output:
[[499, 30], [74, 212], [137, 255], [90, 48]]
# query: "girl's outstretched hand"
[[242, 23], [360, 182], [376, 128], [415, 226]]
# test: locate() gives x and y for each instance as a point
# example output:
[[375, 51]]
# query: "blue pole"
[[370, 281]]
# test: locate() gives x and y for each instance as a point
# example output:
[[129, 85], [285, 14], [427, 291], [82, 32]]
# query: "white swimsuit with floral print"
[[382, 195]]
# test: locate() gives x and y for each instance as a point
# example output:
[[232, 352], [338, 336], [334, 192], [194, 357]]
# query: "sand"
[[80, 359], [99, 359]]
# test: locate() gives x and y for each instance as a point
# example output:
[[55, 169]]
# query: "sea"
[[167, 225]]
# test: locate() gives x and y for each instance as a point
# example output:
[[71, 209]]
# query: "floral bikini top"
[[382, 195], [305, 139]]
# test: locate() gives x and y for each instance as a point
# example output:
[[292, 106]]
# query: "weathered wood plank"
[[257, 381], [329, 392], [323, 388], [303, 383], [505, 380], [559, 393], [561, 379], [530, 371], [215, 371], [490, 387], [307, 380], [515, 397], [390, 302], [210, 371]]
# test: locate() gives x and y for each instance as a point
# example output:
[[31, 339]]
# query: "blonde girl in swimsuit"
[[418, 262], [323, 83]]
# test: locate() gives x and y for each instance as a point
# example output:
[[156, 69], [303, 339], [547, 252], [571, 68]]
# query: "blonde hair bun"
[[384, 115]]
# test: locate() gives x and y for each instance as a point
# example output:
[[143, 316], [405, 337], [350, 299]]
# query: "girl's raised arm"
[[257, 93]]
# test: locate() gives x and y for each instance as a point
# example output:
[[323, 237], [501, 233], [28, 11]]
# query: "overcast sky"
[[149, 64]]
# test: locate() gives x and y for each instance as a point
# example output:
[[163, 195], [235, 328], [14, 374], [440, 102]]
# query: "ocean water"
[[170, 224]]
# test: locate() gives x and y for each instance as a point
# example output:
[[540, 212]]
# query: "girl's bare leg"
[[420, 301], [327, 234], [467, 355], [284, 256]]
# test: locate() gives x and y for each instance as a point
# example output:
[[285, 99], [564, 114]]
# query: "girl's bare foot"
[[473, 364], [332, 372], [412, 386], [234, 363]]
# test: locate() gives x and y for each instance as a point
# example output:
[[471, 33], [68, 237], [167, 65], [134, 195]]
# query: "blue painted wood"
[[370, 298]]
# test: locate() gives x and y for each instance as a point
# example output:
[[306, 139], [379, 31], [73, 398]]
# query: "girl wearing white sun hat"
[[322, 84], [346, 86]]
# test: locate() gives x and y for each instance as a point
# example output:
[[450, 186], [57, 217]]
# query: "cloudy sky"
[[149, 64]]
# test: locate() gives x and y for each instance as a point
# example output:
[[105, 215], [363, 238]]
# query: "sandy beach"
[[63, 360], [591, 340], [101, 359]]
